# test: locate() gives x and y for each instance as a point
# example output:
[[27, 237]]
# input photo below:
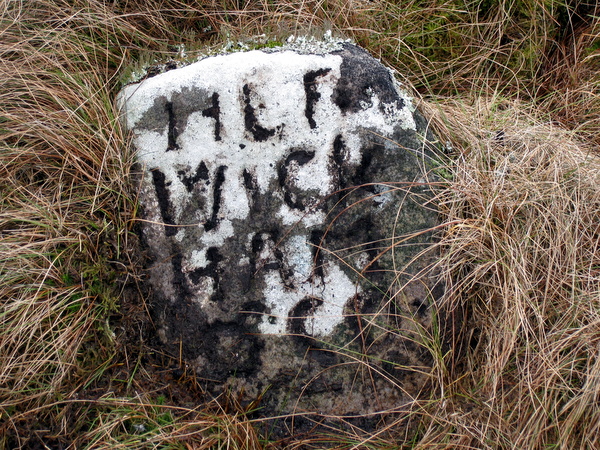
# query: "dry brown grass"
[[64, 201], [521, 257], [521, 209]]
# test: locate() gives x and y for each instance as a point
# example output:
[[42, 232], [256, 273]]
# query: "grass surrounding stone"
[[512, 87]]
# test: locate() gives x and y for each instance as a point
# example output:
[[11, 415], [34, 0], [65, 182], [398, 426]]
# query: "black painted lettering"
[[259, 133], [217, 194], [297, 316], [316, 241], [172, 132], [164, 203], [214, 112], [211, 270], [312, 95], [299, 157], [190, 181]]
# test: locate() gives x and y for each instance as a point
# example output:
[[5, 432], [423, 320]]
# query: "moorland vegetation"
[[512, 90]]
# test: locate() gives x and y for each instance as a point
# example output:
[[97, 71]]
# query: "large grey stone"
[[278, 190]]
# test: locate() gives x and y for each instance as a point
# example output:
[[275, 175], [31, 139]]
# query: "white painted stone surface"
[[278, 95]]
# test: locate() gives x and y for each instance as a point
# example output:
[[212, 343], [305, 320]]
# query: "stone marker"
[[278, 188]]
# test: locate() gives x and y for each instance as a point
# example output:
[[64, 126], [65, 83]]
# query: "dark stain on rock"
[[420, 306], [214, 112], [321, 384], [395, 363], [361, 77], [228, 348], [259, 133], [324, 358], [312, 95]]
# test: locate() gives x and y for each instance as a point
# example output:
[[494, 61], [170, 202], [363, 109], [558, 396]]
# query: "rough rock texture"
[[278, 190]]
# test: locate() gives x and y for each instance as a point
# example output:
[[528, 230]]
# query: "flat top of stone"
[[301, 44]]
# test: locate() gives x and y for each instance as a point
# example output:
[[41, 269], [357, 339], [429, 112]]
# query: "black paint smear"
[[251, 186], [189, 182], [339, 154], [296, 326], [286, 274], [302, 157], [364, 230], [211, 270], [172, 143], [370, 168], [298, 315], [257, 243], [316, 239], [362, 305], [248, 310], [312, 95], [214, 111], [162, 194], [217, 193], [293, 202], [259, 133], [253, 306], [338, 150], [365, 162], [249, 182]]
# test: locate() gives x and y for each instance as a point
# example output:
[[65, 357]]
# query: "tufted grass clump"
[[521, 259], [513, 93], [65, 210]]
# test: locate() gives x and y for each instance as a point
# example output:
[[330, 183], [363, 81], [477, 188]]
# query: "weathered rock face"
[[277, 192]]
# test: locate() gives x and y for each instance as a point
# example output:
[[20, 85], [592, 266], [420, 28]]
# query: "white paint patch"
[[332, 292], [198, 259], [216, 237]]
